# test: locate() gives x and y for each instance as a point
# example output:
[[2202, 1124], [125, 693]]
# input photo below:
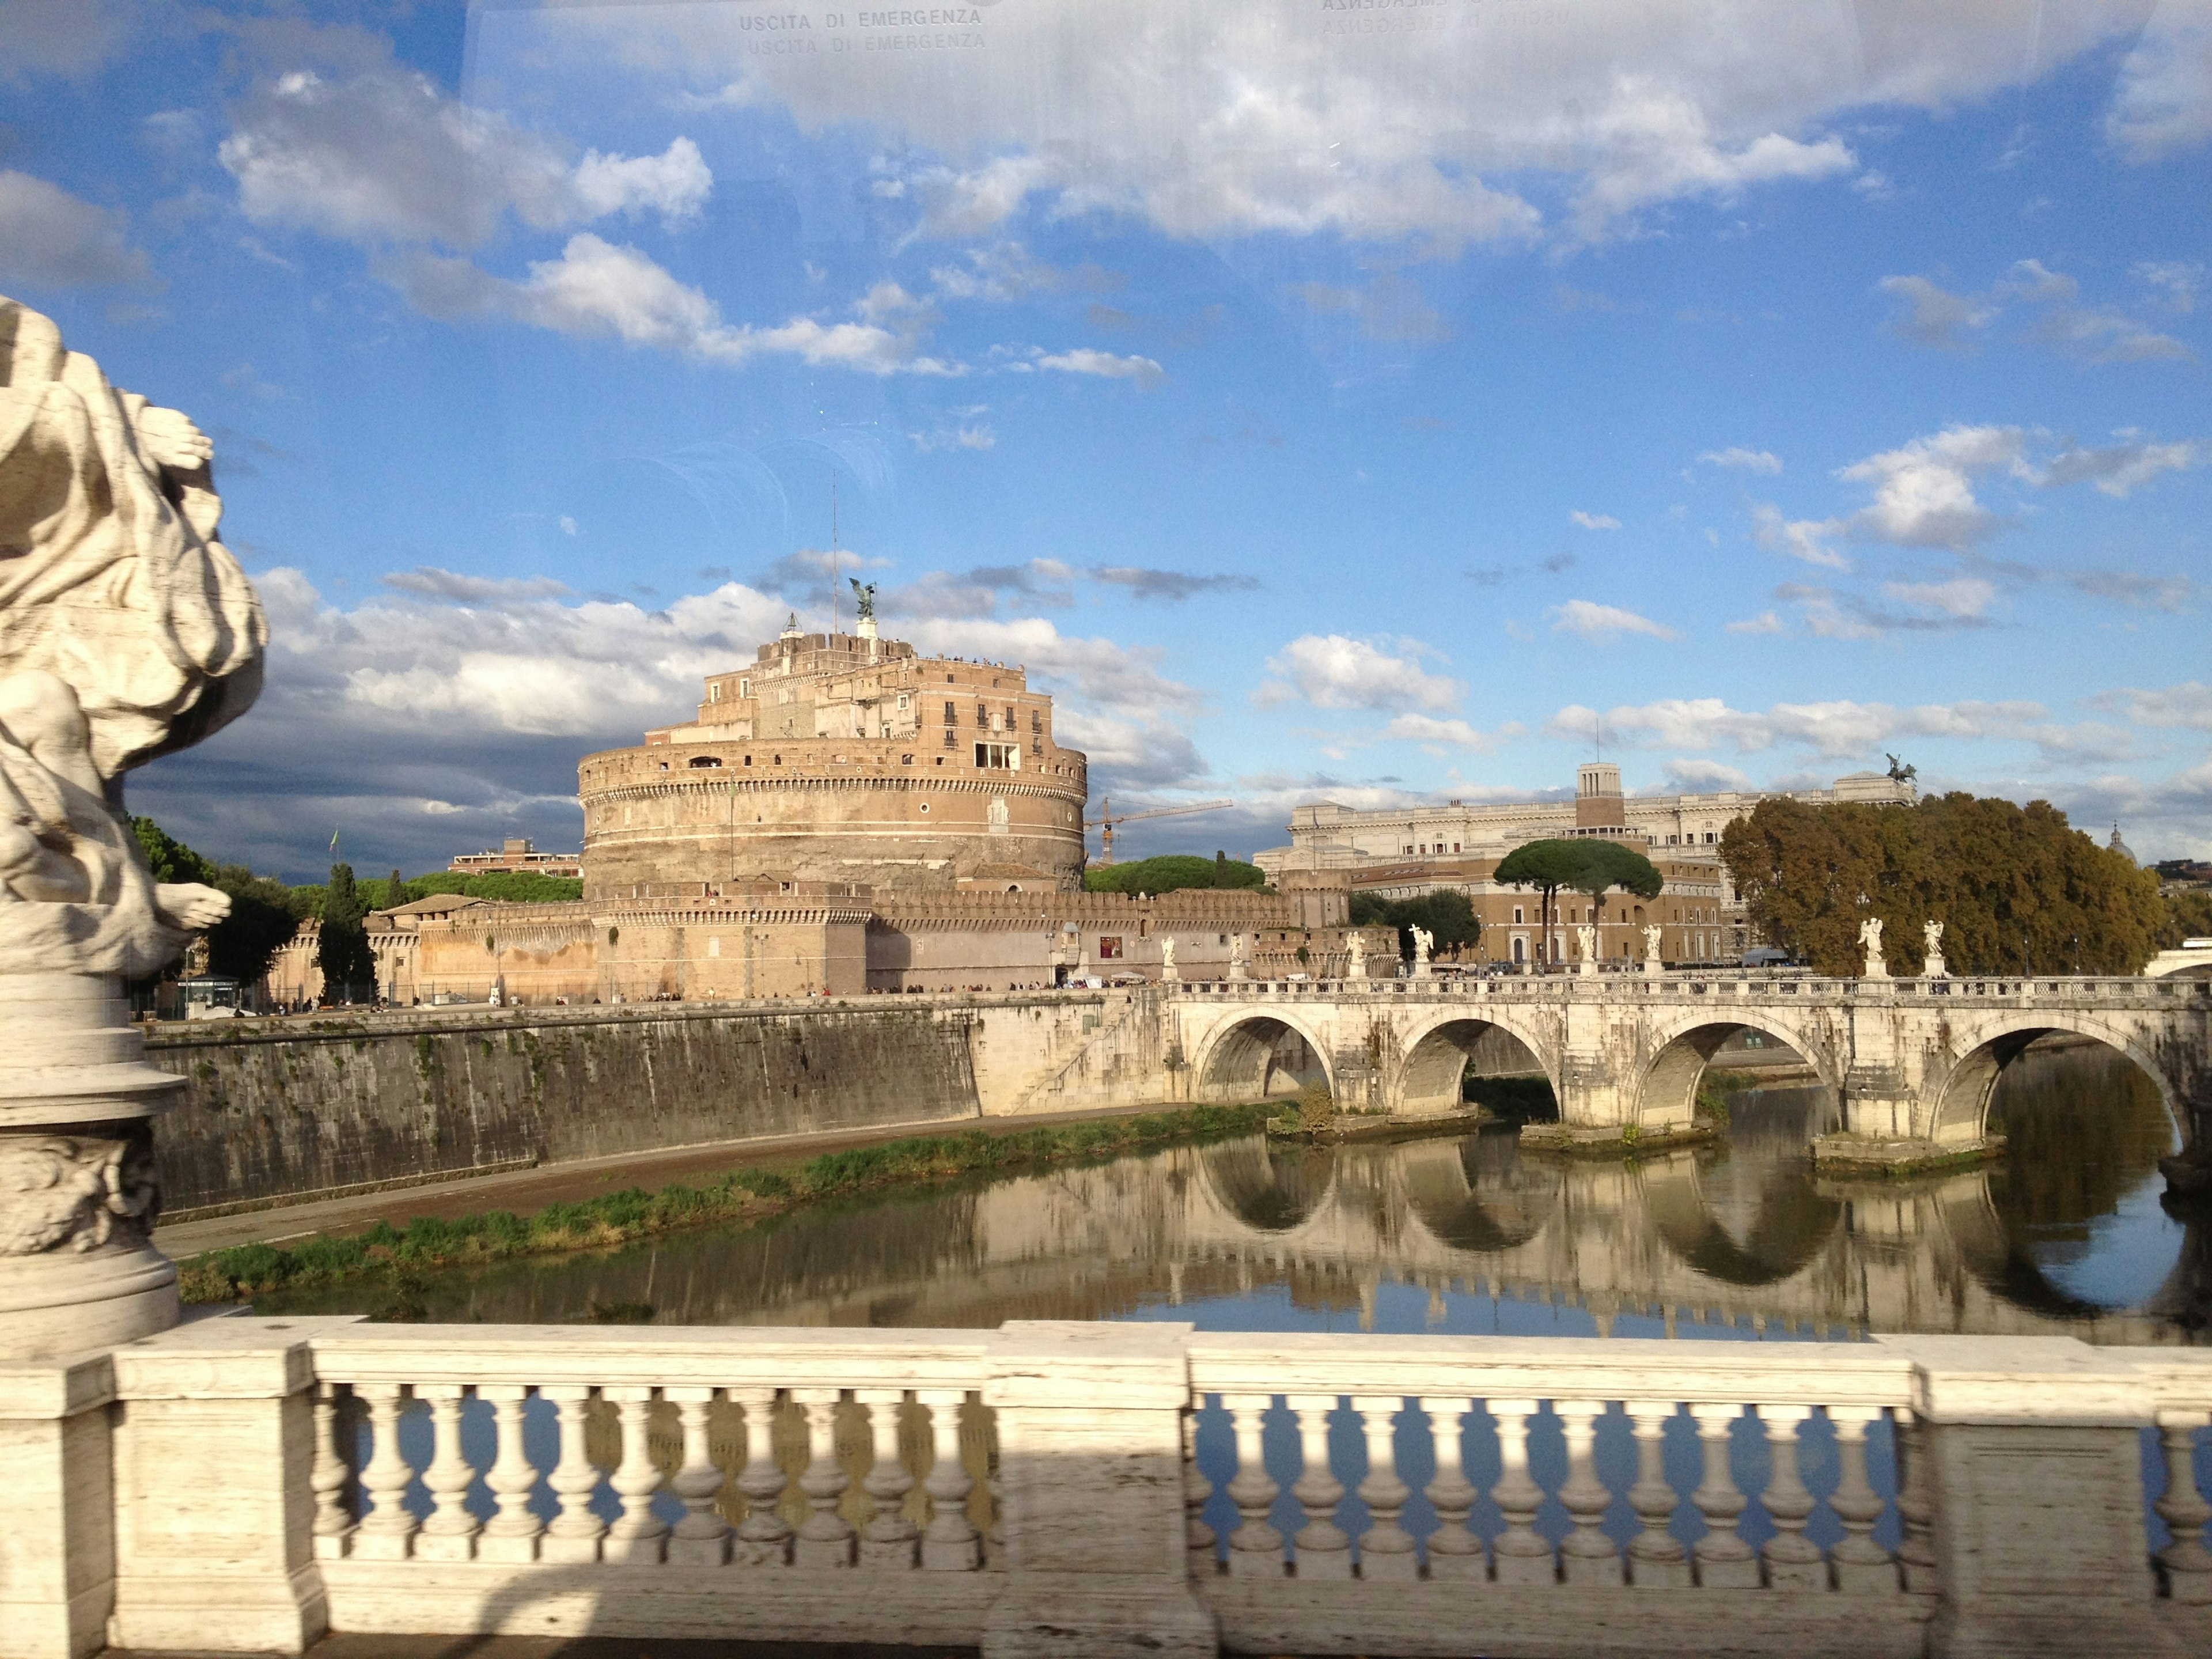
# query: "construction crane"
[[1107, 818]]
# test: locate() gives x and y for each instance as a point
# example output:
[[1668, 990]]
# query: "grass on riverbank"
[[744, 1195]]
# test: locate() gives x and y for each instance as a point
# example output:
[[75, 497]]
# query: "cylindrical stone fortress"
[[842, 758]]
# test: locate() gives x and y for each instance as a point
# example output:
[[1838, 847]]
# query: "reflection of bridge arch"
[[1793, 1225], [1682, 1048], [1240, 1061], [1437, 1050], [1477, 1194], [1269, 1188], [1986, 1045]]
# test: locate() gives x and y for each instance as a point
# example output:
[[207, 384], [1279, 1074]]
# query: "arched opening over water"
[[1269, 1188], [1260, 1059], [1478, 1193], [1969, 1094], [1433, 1079], [1668, 1098], [2078, 1194]]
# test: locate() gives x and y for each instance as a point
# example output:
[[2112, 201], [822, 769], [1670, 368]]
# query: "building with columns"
[[1407, 852]]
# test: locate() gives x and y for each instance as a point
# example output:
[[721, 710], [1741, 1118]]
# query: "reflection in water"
[[1738, 1238]]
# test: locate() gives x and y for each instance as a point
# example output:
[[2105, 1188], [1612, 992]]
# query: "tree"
[[261, 923], [395, 892], [2017, 889], [1547, 866], [1607, 865], [2188, 916], [170, 860], [1172, 872], [507, 886], [1446, 913], [343, 952]]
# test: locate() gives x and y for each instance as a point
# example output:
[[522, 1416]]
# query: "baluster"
[[1587, 1556], [1656, 1559], [388, 1529], [763, 1537], [1522, 1557], [1387, 1550], [701, 1538], [512, 1533], [1454, 1552], [1793, 1560], [951, 1542], [1256, 1548], [328, 1478], [2188, 1565], [889, 1540], [825, 1538], [1200, 1541], [1723, 1560], [1863, 1566], [1915, 1507], [638, 1534], [574, 1534], [1324, 1549], [450, 1532]]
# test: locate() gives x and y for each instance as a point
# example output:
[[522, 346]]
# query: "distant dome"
[[2122, 847]]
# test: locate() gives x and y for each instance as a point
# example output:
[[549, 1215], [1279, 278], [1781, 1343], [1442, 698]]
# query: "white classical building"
[[1326, 836]]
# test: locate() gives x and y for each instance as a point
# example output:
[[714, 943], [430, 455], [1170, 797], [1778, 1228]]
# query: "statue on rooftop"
[[864, 598]]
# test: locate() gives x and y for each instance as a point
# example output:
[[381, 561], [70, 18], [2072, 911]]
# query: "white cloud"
[[1923, 493], [2029, 280], [1765, 622], [61, 37], [2119, 468], [1597, 622], [1933, 316], [2188, 704], [596, 287], [967, 435], [1696, 777], [1836, 730], [51, 239], [2177, 280], [1595, 520], [1330, 670], [2106, 336], [1746, 460], [1328, 121], [1963, 597], [1438, 734], [383, 156], [568, 525], [1085, 360], [1798, 538], [2162, 100]]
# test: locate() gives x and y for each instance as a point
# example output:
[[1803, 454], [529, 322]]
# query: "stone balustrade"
[[244, 1485]]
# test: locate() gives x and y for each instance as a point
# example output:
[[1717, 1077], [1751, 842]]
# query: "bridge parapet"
[[1064, 1490]]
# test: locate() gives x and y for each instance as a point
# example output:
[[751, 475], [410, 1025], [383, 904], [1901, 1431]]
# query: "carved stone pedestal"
[[78, 1269]]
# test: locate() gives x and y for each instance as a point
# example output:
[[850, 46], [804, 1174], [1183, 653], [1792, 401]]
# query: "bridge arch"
[[1437, 1051], [1681, 1049], [1958, 1096], [1259, 1053]]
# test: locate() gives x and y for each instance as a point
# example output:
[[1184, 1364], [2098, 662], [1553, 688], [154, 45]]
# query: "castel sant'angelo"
[[846, 815], [842, 758]]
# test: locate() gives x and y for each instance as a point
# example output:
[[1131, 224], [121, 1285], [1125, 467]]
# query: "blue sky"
[[1325, 400]]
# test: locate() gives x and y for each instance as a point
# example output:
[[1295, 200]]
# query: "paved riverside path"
[[525, 1190]]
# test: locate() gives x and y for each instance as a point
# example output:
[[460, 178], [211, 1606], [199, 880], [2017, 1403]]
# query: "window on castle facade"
[[951, 714]]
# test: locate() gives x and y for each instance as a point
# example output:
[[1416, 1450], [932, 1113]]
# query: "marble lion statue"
[[127, 631]]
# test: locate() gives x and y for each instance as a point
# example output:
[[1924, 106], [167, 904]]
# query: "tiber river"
[[1738, 1240]]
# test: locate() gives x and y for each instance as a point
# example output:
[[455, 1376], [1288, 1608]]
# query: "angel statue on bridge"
[[1424, 942], [127, 631], [1870, 936]]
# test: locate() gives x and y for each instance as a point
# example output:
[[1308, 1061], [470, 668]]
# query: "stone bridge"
[[1913, 1062]]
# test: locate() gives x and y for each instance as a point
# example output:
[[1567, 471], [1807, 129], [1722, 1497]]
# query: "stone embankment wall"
[[283, 1109]]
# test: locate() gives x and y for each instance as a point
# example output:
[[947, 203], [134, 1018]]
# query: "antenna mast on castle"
[[833, 555]]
